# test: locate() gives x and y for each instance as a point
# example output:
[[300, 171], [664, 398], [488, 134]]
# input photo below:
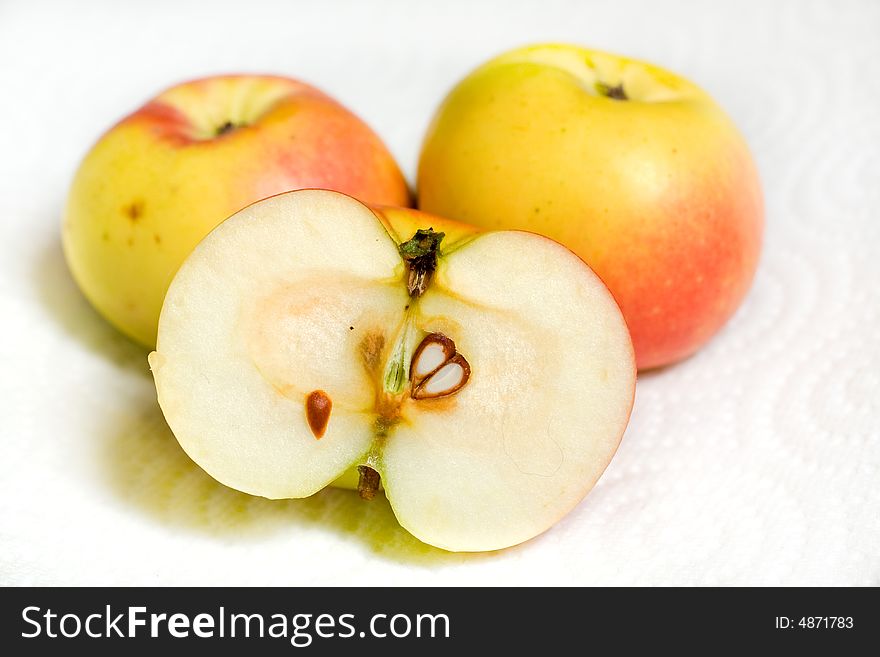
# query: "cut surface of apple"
[[484, 379]]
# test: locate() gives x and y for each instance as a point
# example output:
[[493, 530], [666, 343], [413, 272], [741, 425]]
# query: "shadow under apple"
[[60, 296], [148, 469]]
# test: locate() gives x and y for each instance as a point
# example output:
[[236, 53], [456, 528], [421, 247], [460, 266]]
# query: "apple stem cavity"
[[615, 92], [368, 482], [420, 254]]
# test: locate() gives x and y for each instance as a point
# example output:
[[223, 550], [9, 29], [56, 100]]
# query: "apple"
[[163, 177], [634, 168], [483, 379]]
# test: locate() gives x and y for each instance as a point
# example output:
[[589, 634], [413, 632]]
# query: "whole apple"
[[163, 177], [635, 169]]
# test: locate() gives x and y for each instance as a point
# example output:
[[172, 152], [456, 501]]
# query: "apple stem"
[[368, 482], [420, 254], [615, 93], [226, 127]]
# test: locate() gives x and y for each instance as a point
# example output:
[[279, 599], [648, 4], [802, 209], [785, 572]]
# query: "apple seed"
[[437, 370], [318, 406], [445, 381], [435, 350]]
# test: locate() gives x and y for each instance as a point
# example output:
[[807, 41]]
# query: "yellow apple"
[[156, 183], [637, 170]]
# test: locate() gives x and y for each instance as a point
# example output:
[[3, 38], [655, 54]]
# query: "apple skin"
[[403, 223], [156, 183], [657, 193]]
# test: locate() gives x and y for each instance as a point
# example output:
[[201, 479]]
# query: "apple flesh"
[[163, 177], [635, 169], [485, 379]]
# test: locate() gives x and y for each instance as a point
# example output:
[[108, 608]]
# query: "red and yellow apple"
[[637, 170], [156, 183]]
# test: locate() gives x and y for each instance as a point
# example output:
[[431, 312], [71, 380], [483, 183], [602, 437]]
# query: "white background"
[[755, 462]]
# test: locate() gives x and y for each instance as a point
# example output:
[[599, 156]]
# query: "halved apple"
[[484, 379]]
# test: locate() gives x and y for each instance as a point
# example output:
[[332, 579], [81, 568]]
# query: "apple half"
[[484, 379]]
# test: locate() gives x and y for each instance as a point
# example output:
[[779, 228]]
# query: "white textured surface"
[[755, 462]]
